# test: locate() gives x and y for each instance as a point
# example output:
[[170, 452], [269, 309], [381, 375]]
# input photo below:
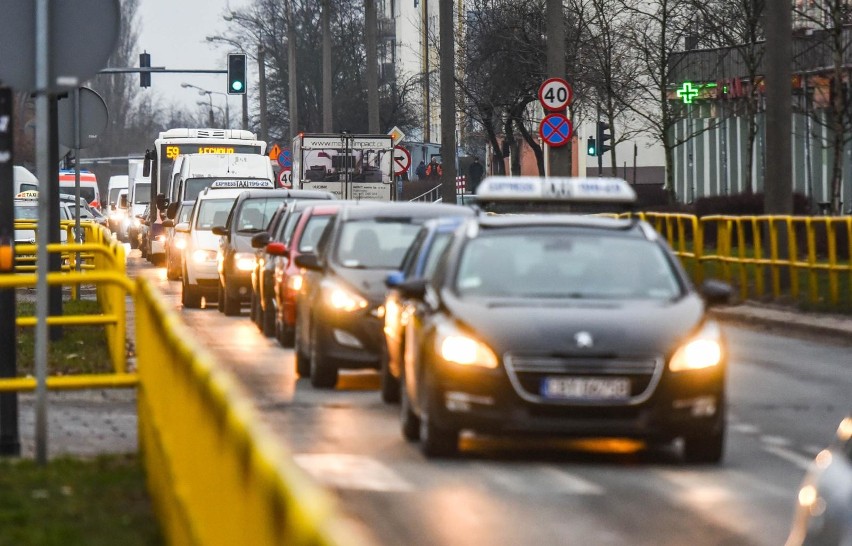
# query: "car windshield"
[[113, 195], [375, 244], [194, 186], [29, 211], [439, 244], [312, 232], [213, 212], [255, 214], [142, 194], [184, 213], [87, 193], [560, 264]]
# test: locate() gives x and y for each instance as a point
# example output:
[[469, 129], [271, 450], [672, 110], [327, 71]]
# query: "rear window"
[[255, 214], [213, 212]]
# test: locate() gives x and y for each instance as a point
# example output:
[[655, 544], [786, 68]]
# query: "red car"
[[288, 276]]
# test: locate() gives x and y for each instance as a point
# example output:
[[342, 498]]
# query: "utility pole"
[[371, 23], [560, 158], [778, 184], [261, 82], [326, 66], [448, 100], [292, 82]]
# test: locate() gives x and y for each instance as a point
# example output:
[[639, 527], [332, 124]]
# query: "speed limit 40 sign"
[[555, 94]]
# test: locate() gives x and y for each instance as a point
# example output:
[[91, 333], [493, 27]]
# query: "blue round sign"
[[285, 158], [555, 129]]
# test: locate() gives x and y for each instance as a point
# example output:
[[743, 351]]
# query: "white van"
[[24, 180], [194, 172], [88, 186], [138, 197]]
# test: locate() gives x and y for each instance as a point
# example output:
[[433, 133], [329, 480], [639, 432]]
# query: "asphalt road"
[[787, 396]]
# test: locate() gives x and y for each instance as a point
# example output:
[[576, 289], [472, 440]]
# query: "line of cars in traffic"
[[518, 324]]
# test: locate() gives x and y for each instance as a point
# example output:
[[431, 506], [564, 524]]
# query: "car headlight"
[[137, 222], [704, 350], [341, 298], [294, 282], [244, 261], [459, 348], [160, 238], [180, 243], [201, 256]]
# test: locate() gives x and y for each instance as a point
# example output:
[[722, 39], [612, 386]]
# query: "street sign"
[[83, 34], [93, 118], [555, 129], [401, 160], [555, 94], [285, 158], [396, 134], [285, 179], [274, 152]]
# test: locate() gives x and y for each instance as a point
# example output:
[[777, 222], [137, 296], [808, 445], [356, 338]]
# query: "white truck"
[[194, 172], [349, 166]]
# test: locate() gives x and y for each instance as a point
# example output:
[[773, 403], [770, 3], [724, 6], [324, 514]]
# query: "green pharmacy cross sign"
[[687, 92]]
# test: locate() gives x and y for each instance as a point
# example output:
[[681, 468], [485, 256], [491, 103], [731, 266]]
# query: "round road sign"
[[555, 129], [401, 160], [285, 179], [555, 94], [285, 158]]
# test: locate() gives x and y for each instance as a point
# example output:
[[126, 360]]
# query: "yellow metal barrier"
[[215, 473]]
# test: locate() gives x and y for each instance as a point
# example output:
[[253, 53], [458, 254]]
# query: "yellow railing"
[[766, 255], [216, 474]]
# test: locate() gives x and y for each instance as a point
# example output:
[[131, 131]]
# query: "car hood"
[[548, 327], [370, 283], [206, 240]]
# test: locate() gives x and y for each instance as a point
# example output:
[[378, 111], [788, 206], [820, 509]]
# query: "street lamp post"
[[202, 91]]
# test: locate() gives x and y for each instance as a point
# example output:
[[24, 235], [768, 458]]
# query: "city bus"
[[173, 143]]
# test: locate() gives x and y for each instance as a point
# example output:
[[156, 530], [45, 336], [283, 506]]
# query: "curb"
[[827, 326]]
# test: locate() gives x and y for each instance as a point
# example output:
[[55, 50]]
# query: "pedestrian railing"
[[799, 258], [216, 474], [429, 196]]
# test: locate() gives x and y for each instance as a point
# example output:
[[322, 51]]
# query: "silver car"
[[823, 513]]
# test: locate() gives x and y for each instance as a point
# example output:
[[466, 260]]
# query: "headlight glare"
[[294, 282], [343, 299], [458, 348], [202, 256], [702, 351], [180, 243], [244, 261]]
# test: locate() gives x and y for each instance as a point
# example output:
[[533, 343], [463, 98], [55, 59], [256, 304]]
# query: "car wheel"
[[408, 420], [435, 440], [303, 361], [172, 273], [190, 295], [220, 298], [267, 319], [253, 309], [390, 384], [706, 448], [285, 334], [323, 369], [231, 306]]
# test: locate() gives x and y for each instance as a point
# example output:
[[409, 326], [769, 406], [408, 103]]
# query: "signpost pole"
[[78, 235]]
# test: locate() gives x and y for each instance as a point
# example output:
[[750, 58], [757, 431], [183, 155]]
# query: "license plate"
[[586, 388]]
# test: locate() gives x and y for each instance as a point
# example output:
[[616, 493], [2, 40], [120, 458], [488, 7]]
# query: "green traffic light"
[[237, 86]]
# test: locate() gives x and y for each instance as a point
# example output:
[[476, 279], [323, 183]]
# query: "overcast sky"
[[174, 32]]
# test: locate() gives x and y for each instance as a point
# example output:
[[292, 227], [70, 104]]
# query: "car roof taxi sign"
[[556, 189]]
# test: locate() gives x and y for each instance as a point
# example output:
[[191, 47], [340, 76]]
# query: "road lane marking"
[[790, 456], [745, 428], [537, 480], [346, 471], [779, 441]]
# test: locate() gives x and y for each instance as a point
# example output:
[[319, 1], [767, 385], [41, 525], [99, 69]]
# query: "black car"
[[337, 320], [249, 216], [563, 325]]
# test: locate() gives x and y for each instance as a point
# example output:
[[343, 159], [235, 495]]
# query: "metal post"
[[325, 17], [778, 182], [560, 158], [10, 443], [245, 112], [261, 83], [448, 100], [42, 75], [228, 114], [78, 232], [370, 22], [292, 82], [54, 259]]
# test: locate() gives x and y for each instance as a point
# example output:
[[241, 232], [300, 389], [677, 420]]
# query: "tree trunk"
[[536, 148], [326, 67], [370, 23], [448, 100]]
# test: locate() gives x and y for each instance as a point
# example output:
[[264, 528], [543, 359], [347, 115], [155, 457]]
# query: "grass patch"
[[82, 349], [100, 502]]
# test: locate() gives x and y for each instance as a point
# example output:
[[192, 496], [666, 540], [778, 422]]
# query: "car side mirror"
[[122, 202], [220, 230], [183, 227], [308, 261], [260, 240], [415, 289], [716, 292], [171, 210], [394, 279], [276, 249], [168, 223], [162, 203]]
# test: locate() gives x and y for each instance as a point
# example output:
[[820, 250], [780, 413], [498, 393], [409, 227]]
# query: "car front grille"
[[527, 372]]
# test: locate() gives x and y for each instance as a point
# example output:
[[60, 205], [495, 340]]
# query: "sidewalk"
[[787, 320]]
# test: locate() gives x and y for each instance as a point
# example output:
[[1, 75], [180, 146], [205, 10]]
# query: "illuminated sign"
[[171, 151]]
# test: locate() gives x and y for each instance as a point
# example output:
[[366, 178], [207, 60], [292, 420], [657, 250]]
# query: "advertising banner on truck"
[[350, 166]]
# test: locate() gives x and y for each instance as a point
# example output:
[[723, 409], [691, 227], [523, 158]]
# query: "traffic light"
[[145, 77], [236, 73], [602, 137], [591, 148]]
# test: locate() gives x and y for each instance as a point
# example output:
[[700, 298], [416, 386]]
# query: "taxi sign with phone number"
[[29, 194], [247, 183]]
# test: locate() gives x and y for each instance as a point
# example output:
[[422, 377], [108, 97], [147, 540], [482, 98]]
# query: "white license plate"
[[586, 388]]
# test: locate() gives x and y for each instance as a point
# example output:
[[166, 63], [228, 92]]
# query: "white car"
[[823, 513], [200, 274]]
